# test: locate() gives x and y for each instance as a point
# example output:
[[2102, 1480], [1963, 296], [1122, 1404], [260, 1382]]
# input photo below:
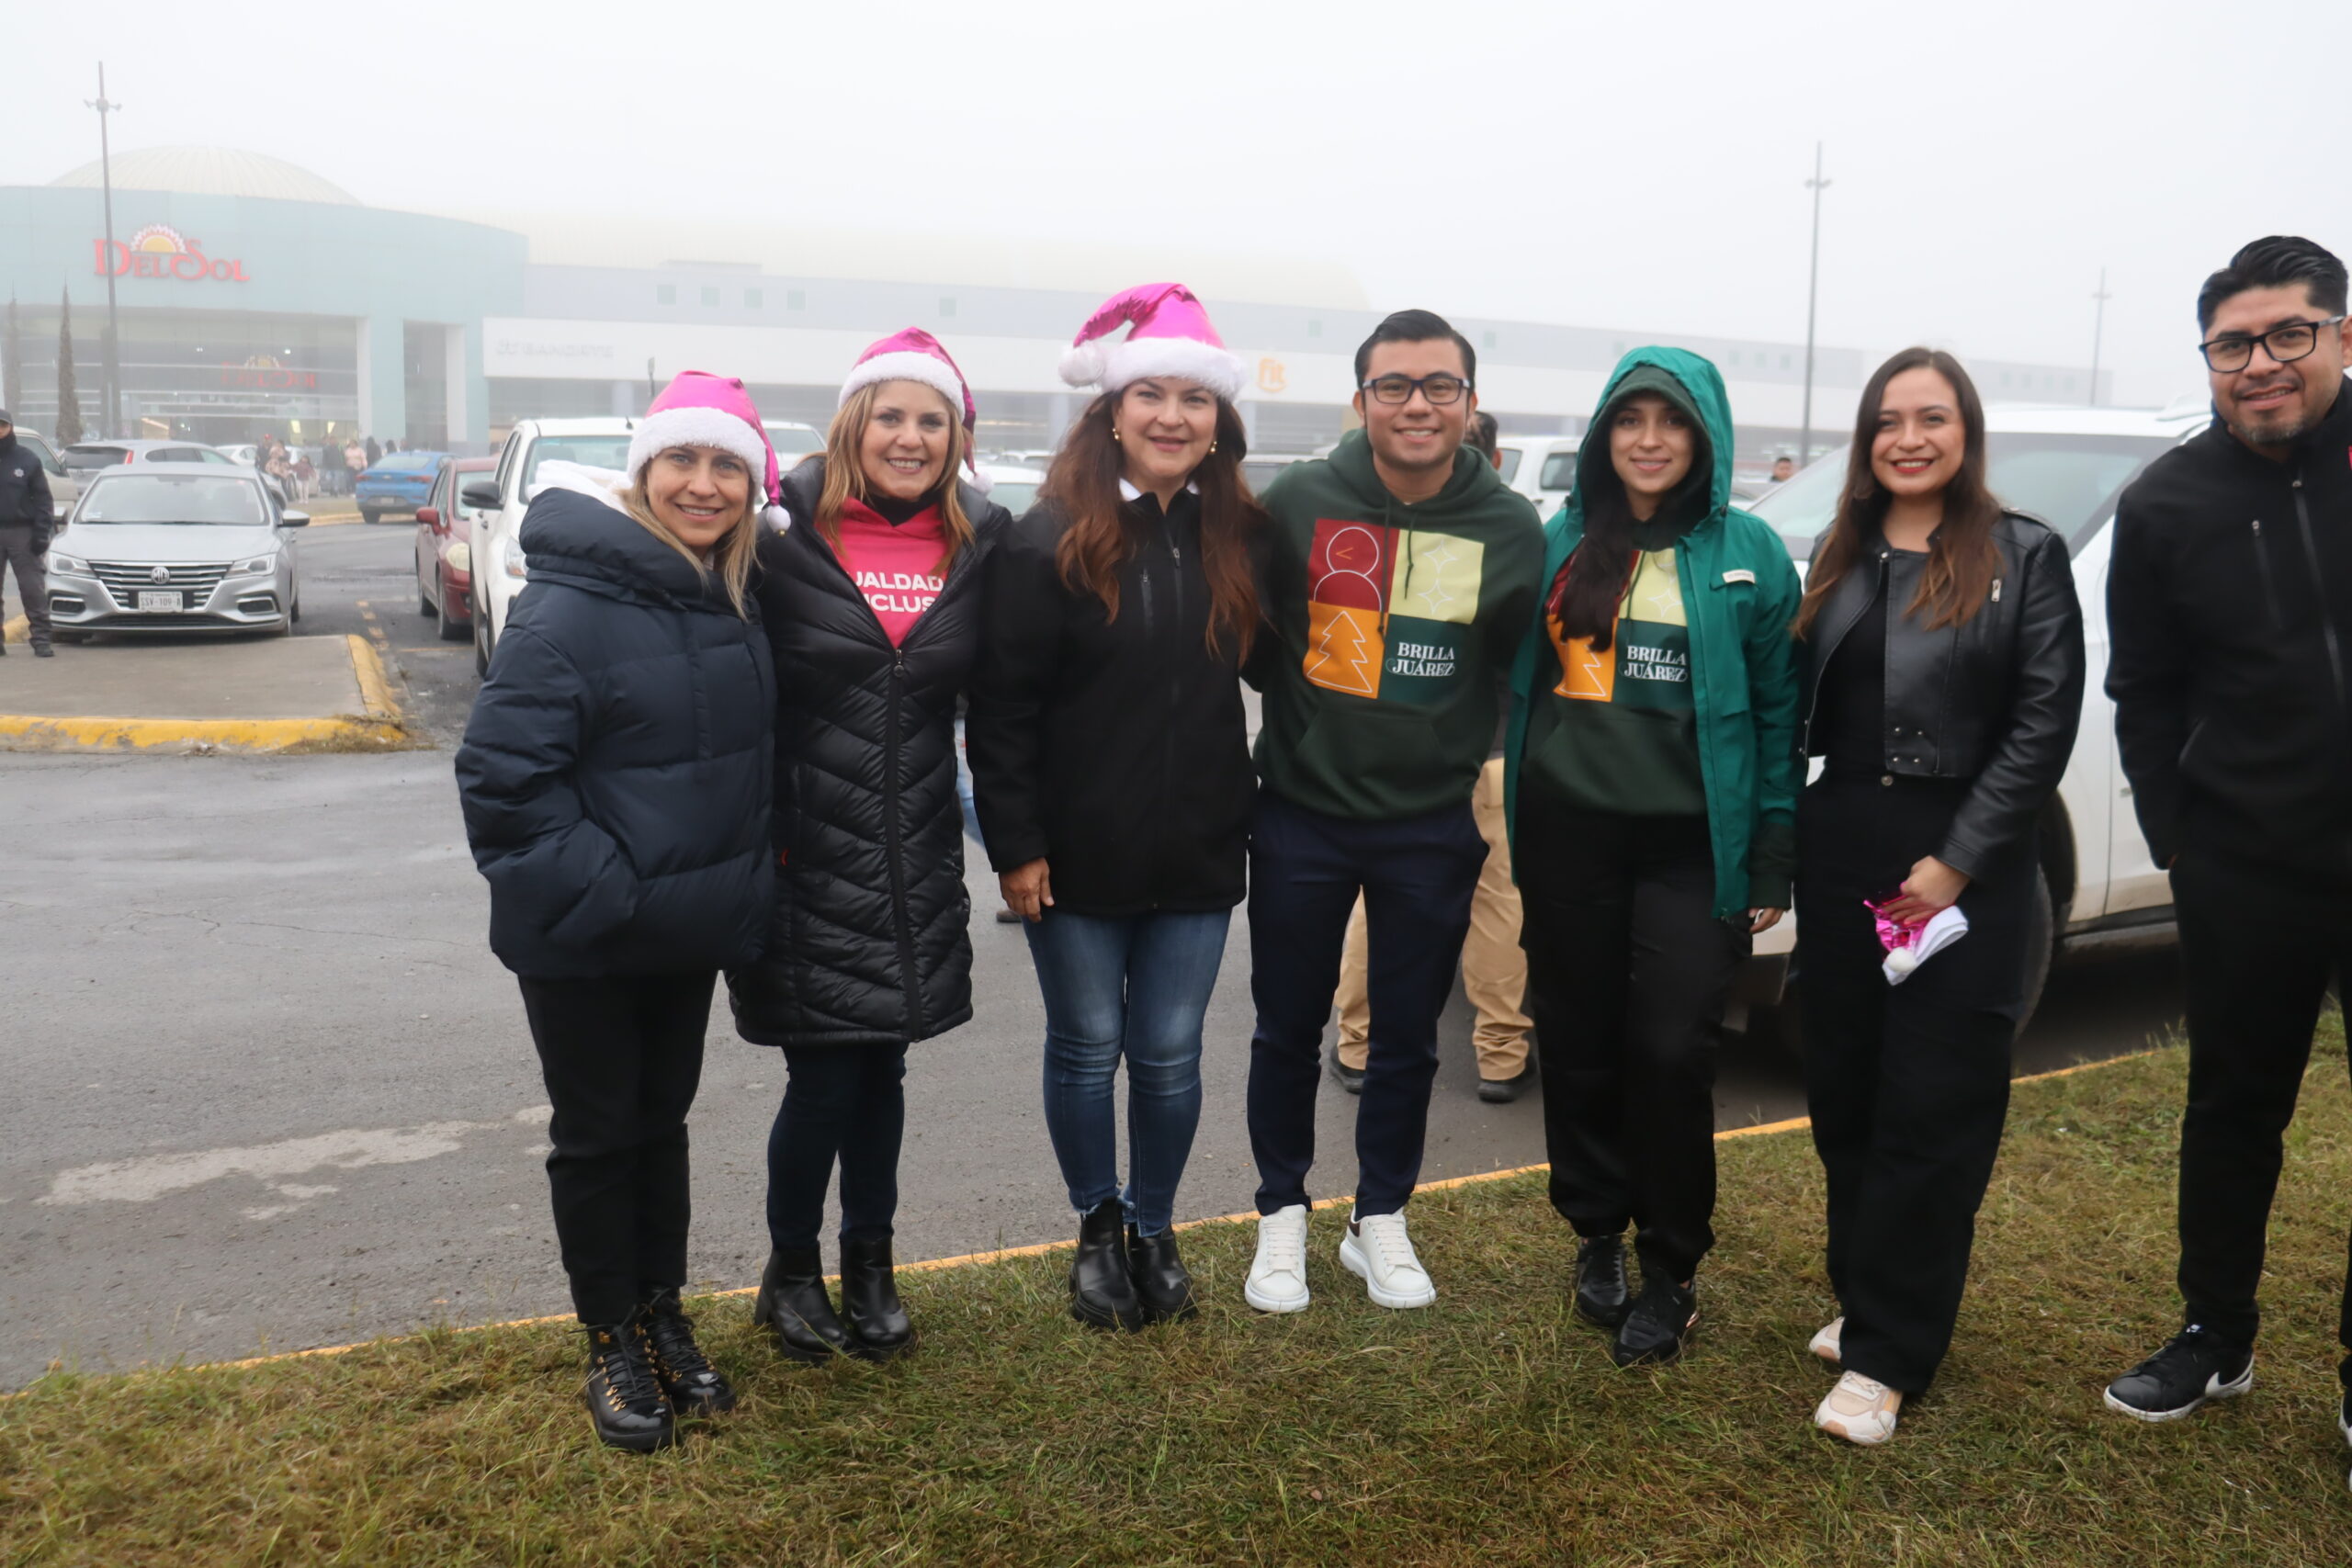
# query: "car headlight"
[[67, 563], [459, 557], [515, 566], [256, 566]]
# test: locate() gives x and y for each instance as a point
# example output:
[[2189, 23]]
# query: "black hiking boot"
[[625, 1400], [1603, 1296], [686, 1375]]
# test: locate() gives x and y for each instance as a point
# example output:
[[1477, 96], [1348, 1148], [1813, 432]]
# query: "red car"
[[444, 535]]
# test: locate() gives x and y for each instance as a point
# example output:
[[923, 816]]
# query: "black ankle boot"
[[686, 1375], [1602, 1295], [1658, 1322], [1162, 1284], [792, 1305], [879, 1328], [625, 1400], [1101, 1288]]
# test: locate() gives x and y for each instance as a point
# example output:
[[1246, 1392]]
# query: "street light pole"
[[106, 176], [1812, 302], [2098, 330]]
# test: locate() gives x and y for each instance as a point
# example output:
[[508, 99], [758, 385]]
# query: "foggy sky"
[[1632, 165]]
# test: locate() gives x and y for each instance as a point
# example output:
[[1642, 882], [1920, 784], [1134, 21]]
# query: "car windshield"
[[1015, 496], [81, 459], [595, 451], [794, 440], [407, 462], [2069, 481], [173, 498]]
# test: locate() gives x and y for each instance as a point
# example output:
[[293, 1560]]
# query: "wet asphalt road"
[[270, 1090]]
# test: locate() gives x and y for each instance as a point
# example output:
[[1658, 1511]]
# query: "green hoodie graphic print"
[[1739, 594], [1392, 626]]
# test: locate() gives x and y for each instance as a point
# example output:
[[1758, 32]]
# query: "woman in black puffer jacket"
[[615, 780], [871, 602]]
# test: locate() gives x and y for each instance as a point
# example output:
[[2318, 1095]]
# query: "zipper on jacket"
[[909, 979], [2269, 590], [2319, 586]]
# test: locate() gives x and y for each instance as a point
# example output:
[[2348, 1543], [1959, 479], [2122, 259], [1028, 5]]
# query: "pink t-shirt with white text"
[[895, 566]]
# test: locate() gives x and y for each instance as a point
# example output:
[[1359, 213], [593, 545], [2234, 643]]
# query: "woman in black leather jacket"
[[1943, 677]]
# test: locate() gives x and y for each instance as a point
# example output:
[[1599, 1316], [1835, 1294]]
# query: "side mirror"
[[429, 516], [484, 495], [294, 519]]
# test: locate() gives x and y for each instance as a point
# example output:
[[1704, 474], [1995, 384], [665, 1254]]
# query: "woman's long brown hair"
[[1961, 558], [1084, 480], [845, 472]]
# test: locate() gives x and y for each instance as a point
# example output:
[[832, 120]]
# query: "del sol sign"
[[161, 251]]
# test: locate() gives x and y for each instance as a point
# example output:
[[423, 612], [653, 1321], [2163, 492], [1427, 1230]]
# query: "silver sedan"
[[174, 546]]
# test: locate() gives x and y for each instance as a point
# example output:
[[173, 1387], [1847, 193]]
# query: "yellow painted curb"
[[973, 1259], [377, 726]]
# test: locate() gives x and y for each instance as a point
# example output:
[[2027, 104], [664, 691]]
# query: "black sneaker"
[[1351, 1079], [1603, 1297], [625, 1400], [686, 1375], [1502, 1091], [2193, 1368], [1654, 1328]]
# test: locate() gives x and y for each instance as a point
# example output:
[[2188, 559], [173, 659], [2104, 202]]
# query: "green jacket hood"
[[1692, 382], [1472, 484]]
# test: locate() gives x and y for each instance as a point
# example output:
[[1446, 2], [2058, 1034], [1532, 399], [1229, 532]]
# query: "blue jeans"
[[1136, 987]]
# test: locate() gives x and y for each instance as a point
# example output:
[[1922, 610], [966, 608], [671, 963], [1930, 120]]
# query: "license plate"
[[169, 603]]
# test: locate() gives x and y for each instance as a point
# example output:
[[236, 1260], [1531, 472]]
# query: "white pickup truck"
[[2067, 467]]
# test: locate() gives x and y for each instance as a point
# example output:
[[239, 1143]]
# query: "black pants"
[[2257, 945], [1626, 971], [1908, 1085], [32, 580], [622, 1057], [844, 1103], [1417, 874]]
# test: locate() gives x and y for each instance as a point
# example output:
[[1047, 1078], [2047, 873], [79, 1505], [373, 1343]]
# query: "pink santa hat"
[[1171, 336], [914, 355], [698, 409]]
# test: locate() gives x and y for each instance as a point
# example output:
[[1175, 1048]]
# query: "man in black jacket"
[[2230, 610], [27, 514]]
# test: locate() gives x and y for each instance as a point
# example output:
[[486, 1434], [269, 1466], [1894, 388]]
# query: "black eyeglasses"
[[1439, 390], [2284, 344]]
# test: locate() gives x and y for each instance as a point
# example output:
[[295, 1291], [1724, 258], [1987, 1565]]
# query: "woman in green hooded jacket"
[[1652, 780]]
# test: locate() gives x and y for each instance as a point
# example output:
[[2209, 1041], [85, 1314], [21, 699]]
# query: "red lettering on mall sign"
[[160, 250]]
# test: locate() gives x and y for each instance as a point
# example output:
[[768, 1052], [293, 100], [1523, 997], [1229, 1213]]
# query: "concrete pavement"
[[273, 694], [267, 1089]]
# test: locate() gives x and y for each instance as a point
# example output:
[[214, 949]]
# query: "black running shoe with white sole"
[[2192, 1369]]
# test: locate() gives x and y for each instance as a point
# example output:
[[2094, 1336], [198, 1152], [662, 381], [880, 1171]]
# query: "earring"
[[1211, 446], [1115, 433]]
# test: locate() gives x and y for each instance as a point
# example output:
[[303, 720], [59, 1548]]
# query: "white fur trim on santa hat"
[[906, 365], [1114, 366], [657, 432]]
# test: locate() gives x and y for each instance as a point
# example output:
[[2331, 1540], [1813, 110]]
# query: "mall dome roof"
[[211, 171]]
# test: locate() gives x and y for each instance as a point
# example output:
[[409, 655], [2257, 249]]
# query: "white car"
[[499, 569], [2067, 466], [792, 441], [172, 548], [1541, 468], [1013, 486]]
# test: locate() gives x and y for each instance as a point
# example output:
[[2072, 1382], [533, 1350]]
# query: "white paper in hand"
[[1948, 927]]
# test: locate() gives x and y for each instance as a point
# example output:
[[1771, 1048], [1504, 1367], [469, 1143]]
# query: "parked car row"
[[163, 545]]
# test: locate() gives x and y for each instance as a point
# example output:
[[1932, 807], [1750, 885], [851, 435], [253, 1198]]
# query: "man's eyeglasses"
[[2284, 344], [1439, 390]]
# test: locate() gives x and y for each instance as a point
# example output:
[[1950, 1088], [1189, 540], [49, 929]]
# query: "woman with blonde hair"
[[872, 605], [614, 777]]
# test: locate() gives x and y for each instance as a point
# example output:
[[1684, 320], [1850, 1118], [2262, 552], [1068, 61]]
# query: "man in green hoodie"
[[1401, 578]]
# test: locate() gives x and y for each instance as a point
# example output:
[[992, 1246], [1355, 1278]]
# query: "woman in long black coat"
[[614, 777], [871, 602]]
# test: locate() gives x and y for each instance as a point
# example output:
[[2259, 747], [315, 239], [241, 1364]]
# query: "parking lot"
[[272, 1090]]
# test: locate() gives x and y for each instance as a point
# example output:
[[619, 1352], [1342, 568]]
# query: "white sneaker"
[[1277, 1280], [1826, 1343], [1861, 1410], [1377, 1250]]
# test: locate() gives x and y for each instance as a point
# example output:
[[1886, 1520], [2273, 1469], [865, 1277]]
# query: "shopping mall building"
[[253, 296]]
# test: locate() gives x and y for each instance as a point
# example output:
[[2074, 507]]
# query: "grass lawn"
[[1488, 1430]]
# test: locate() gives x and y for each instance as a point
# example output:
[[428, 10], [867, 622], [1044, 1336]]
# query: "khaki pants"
[[1494, 970]]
